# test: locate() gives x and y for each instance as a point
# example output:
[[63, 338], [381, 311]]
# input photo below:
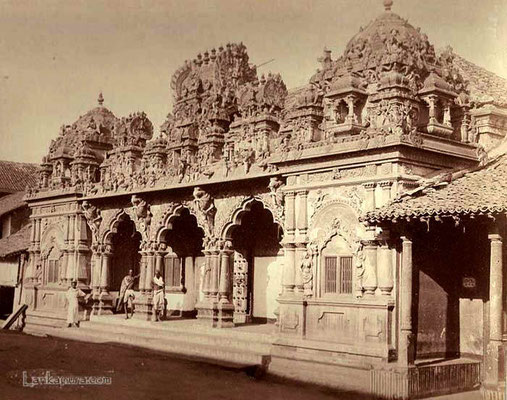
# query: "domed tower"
[[388, 81], [74, 156]]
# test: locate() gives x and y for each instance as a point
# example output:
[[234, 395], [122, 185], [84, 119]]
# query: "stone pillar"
[[206, 284], [159, 261], [105, 299], [302, 217], [406, 353], [494, 381], [143, 301], [290, 218], [150, 271], [215, 274], [370, 281], [385, 265], [142, 272], [289, 283], [369, 196], [225, 307], [386, 192], [206, 309], [300, 251], [96, 265]]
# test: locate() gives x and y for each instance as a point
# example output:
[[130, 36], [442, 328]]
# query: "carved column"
[[142, 272], [370, 281], [431, 101], [302, 217], [215, 273], [386, 192], [143, 301], [81, 251], [495, 359], [207, 308], [406, 354], [225, 306], [159, 259], [300, 251], [150, 271], [385, 265], [289, 282], [105, 299], [369, 203], [290, 217]]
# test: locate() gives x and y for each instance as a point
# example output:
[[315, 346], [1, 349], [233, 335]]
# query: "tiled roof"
[[484, 86], [15, 243], [482, 190], [15, 176], [11, 202]]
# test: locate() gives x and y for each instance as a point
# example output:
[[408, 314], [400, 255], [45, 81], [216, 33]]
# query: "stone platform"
[[252, 346]]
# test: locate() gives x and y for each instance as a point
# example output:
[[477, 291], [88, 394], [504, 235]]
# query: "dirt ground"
[[140, 374], [136, 374]]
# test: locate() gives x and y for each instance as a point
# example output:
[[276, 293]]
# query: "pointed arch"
[[239, 211], [169, 217]]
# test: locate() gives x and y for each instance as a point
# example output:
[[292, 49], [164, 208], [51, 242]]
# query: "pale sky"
[[56, 56]]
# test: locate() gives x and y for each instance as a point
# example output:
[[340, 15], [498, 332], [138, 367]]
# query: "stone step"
[[194, 333], [217, 354], [44, 320], [190, 337]]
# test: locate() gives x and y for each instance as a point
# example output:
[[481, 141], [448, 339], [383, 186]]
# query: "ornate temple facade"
[[249, 201]]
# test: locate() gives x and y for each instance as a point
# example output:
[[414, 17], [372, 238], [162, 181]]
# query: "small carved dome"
[[390, 38], [436, 83], [346, 82]]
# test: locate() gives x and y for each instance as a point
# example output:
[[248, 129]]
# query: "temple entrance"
[[125, 242], [181, 266], [257, 265], [452, 288]]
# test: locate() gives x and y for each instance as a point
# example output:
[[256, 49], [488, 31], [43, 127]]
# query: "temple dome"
[[96, 125], [390, 39]]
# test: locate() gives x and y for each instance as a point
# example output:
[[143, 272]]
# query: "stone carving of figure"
[[307, 272], [143, 213], [205, 207], [182, 168], [274, 185], [93, 218]]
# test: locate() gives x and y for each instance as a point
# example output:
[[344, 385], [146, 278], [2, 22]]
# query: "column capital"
[[302, 192], [495, 237], [370, 185], [406, 238], [385, 184], [290, 193]]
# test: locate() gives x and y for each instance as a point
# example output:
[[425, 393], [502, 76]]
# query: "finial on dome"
[[388, 4], [100, 99]]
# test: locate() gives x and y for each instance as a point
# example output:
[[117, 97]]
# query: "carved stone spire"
[[388, 4], [100, 99]]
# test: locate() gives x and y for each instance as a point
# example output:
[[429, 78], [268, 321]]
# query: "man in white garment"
[[158, 296], [73, 294]]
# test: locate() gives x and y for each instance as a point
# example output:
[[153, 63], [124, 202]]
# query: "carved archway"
[[256, 238], [239, 210]]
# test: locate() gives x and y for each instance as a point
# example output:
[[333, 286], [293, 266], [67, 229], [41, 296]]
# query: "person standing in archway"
[[126, 293], [158, 296]]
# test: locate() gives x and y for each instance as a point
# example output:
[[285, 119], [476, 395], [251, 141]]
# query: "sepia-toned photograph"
[[253, 199]]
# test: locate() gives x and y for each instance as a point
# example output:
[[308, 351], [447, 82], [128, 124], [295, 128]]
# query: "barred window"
[[53, 271], [172, 271], [330, 275], [337, 274]]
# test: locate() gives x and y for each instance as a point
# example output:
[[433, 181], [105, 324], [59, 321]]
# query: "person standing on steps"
[[72, 296], [158, 296], [126, 293]]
